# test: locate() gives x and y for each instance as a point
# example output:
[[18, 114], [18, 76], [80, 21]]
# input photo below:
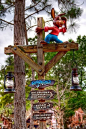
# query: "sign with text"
[[41, 83], [41, 94], [42, 116], [42, 106]]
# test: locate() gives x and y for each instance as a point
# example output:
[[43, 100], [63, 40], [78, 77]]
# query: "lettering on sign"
[[42, 116], [42, 106], [39, 94], [41, 83]]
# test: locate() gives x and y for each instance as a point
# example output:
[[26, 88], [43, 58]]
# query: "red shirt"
[[55, 30]]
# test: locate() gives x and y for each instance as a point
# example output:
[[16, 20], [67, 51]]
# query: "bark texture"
[[19, 67]]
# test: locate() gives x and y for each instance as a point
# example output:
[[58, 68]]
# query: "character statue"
[[58, 22]]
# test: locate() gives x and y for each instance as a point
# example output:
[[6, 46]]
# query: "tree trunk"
[[19, 67]]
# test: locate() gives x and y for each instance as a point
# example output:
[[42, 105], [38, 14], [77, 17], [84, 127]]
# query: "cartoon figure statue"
[[58, 22]]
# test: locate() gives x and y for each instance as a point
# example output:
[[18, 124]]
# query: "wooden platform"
[[46, 48]]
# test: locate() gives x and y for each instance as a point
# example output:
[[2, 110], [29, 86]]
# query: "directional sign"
[[42, 106], [41, 83], [42, 116], [39, 94]]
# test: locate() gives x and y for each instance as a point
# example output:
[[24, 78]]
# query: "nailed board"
[[42, 106], [41, 94], [41, 83], [42, 116], [46, 48]]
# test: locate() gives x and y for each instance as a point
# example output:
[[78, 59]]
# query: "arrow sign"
[[42, 106], [41, 83], [42, 116], [39, 94]]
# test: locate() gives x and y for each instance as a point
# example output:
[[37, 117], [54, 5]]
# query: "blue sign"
[[41, 83]]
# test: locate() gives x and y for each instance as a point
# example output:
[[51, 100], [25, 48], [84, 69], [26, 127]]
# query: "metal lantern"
[[75, 81], [9, 83]]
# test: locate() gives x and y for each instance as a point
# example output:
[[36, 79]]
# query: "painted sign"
[[41, 83], [39, 94], [42, 106], [42, 116]]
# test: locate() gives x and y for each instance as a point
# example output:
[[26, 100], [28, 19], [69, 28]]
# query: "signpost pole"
[[40, 57]]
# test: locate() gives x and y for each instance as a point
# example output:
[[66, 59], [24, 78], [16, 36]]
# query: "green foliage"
[[75, 101], [1, 7], [32, 41], [1, 12], [27, 91], [74, 13], [8, 1]]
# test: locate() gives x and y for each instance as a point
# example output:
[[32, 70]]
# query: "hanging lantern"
[[75, 81], [9, 83]]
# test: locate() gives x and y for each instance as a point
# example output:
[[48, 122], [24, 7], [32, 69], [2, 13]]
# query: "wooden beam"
[[54, 60], [40, 53], [46, 48], [27, 59]]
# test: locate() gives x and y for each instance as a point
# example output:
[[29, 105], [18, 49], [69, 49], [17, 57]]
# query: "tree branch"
[[32, 6], [7, 22], [7, 8], [37, 11], [36, 25], [64, 88]]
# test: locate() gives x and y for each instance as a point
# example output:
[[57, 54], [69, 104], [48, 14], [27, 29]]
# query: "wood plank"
[[40, 106], [42, 117], [54, 60], [27, 59], [46, 48], [41, 95]]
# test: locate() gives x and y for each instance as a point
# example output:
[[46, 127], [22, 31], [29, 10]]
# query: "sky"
[[6, 36]]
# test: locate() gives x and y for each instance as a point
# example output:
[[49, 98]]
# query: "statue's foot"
[[43, 42], [66, 42], [69, 42], [72, 42]]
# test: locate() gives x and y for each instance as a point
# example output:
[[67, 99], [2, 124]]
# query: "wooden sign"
[[39, 94], [42, 106], [41, 83], [42, 116]]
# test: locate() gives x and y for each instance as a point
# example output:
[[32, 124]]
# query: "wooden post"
[[40, 53], [40, 57]]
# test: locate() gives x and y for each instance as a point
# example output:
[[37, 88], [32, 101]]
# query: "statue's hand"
[[39, 29]]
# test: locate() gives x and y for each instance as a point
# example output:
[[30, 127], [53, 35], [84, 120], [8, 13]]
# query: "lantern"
[[75, 81], [9, 83]]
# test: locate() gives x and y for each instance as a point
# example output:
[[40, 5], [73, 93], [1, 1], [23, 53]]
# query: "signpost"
[[42, 116], [41, 95], [42, 106], [41, 83], [41, 69]]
